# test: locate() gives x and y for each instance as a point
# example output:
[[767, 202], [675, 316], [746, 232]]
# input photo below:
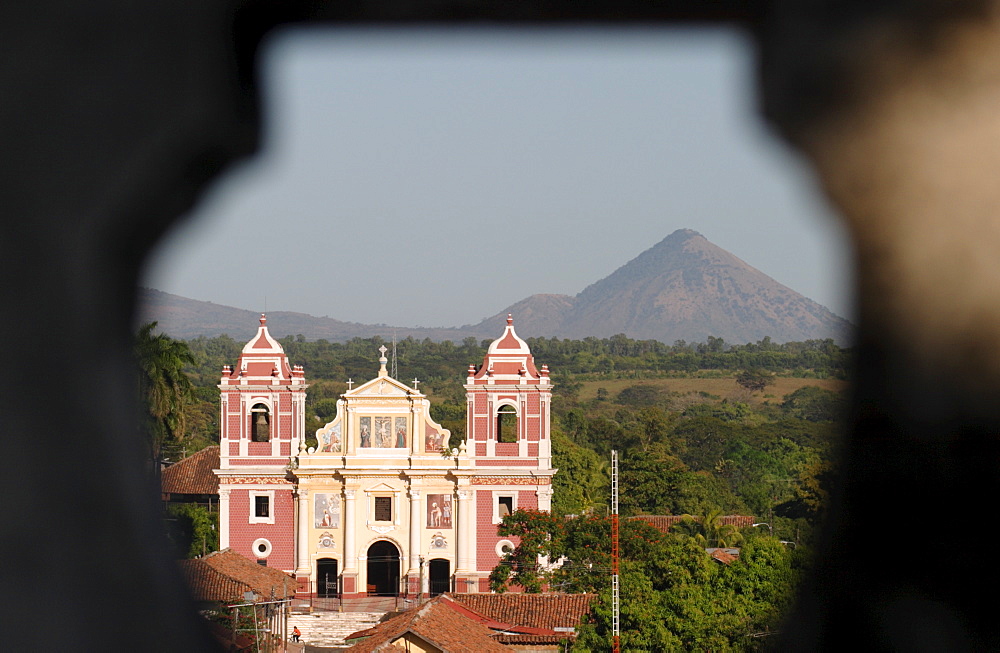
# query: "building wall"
[[243, 533], [324, 500]]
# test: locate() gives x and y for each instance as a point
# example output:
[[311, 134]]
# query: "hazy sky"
[[432, 178]]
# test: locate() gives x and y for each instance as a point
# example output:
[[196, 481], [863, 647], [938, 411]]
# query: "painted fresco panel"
[[433, 439], [326, 510], [400, 432], [329, 439], [383, 432], [366, 432], [439, 511]]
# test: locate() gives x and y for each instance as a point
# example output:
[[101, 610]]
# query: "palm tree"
[[164, 388], [708, 530]]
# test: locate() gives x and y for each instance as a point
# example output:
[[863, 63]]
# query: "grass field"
[[724, 388]]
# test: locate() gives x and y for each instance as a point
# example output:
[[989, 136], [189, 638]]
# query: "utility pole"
[[615, 604]]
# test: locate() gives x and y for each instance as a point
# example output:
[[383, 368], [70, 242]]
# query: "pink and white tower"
[[262, 424], [509, 447]]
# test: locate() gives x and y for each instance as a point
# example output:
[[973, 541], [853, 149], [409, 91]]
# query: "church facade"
[[385, 503]]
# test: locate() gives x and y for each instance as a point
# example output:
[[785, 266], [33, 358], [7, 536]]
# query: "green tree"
[[193, 529], [754, 380], [164, 388], [708, 530], [813, 404], [642, 622], [641, 394], [538, 534], [650, 483], [582, 483]]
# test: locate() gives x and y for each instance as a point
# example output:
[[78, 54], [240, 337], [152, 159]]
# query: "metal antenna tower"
[[394, 373], [615, 599]]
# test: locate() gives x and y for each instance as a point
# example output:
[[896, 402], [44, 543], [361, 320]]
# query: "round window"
[[504, 547], [261, 548]]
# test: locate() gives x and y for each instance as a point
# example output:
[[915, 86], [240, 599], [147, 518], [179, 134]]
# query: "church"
[[385, 503]]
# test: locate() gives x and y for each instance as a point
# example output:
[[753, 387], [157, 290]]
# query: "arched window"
[[260, 423], [507, 424]]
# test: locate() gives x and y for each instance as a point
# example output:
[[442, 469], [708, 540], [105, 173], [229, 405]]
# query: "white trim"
[[496, 502], [252, 508], [500, 545], [261, 542]]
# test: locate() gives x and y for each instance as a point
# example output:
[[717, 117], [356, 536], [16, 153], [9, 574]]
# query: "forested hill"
[[683, 288]]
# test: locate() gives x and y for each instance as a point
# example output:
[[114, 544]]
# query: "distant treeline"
[[430, 361]]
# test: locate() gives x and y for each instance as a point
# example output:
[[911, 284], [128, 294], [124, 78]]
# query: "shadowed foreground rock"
[[115, 114]]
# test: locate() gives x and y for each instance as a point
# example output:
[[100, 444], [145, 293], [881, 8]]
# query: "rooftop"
[[226, 575], [436, 623], [193, 475]]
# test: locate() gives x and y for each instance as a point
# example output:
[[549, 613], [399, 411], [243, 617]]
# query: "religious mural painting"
[[327, 510], [439, 511], [433, 442], [400, 433], [365, 432], [383, 432], [329, 439]]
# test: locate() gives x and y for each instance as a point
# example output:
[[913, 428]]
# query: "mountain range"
[[683, 288]]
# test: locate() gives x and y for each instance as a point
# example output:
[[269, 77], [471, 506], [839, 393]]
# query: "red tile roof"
[[437, 623], [723, 556], [193, 475], [542, 611], [225, 575], [528, 619], [664, 522]]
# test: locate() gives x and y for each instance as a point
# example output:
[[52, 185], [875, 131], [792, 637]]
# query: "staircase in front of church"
[[328, 629]]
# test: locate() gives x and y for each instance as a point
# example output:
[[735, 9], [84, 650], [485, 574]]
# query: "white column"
[[303, 566], [544, 495], [466, 556], [244, 435], [415, 530], [350, 554], [224, 517]]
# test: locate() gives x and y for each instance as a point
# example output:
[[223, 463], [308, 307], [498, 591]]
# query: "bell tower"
[[262, 423], [508, 443]]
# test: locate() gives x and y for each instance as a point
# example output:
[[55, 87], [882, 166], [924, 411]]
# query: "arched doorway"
[[326, 577], [383, 569], [440, 576]]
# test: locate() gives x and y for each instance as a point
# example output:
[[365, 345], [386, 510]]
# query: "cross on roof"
[[383, 350], [349, 383], [415, 383]]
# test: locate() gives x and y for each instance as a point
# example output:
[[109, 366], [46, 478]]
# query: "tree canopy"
[[164, 388]]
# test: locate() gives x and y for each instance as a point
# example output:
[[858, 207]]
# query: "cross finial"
[[349, 383], [382, 361], [415, 383]]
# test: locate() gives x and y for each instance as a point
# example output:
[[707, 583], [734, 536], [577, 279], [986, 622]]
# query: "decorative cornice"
[[255, 480], [511, 480]]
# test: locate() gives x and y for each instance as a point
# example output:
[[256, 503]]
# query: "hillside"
[[683, 288], [186, 318]]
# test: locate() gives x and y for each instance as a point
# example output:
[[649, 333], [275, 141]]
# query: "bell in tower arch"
[[261, 424]]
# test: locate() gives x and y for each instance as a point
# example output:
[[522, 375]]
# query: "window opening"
[[262, 506], [383, 508], [505, 506], [260, 423], [507, 424]]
